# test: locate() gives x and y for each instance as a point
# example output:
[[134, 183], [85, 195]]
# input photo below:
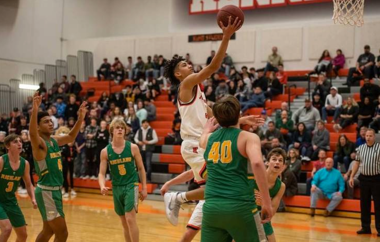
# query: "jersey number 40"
[[221, 152]]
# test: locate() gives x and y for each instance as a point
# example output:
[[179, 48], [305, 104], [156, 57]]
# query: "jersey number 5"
[[221, 152], [122, 170], [10, 187]]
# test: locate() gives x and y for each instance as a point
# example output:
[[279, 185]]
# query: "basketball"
[[227, 11]]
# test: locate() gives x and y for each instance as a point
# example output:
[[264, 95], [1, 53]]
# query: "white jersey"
[[193, 114]]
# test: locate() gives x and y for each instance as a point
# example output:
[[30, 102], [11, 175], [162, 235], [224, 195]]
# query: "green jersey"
[[122, 166], [226, 168], [10, 179], [272, 192], [49, 170]]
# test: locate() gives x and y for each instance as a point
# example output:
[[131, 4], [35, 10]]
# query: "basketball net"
[[349, 12]]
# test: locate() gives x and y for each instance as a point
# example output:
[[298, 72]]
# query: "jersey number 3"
[[221, 152], [122, 170], [10, 187]]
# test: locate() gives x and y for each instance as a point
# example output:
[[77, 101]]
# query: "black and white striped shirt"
[[369, 158]]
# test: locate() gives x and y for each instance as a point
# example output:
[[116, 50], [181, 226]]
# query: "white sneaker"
[[65, 195], [73, 193], [22, 191], [172, 207], [108, 177], [93, 178], [86, 177]]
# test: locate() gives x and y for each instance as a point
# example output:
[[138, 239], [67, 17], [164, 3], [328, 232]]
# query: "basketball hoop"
[[349, 12]]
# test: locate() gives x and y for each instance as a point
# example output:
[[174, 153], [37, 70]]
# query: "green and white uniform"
[[272, 193], [229, 211], [50, 181], [125, 186], [9, 182]]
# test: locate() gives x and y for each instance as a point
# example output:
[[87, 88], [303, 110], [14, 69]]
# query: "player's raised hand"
[[37, 100], [252, 120], [104, 190], [82, 111], [231, 28], [143, 194], [211, 125]]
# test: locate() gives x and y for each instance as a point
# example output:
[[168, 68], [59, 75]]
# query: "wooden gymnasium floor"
[[91, 218]]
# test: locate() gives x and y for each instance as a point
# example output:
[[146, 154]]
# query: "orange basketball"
[[227, 11]]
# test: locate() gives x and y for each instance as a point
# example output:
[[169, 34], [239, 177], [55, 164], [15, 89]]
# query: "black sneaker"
[[364, 231]]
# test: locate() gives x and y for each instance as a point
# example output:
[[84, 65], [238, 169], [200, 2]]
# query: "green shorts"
[[125, 198], [268, 229], [224, 221], [49, 203], [10, 210]]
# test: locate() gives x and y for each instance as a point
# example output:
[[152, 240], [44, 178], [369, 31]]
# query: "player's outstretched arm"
[[181, 178], [28, 185], [102, 172], [277, 199], [253, 151], [38, 146], [140, 167], [216, 62], [210, 126], [69, 138]]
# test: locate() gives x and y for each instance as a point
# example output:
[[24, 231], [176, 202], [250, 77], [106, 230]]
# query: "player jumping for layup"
[[12, 169], [48, 165], [123, 157], [230, 211]]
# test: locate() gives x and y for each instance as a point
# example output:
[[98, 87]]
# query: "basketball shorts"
[[125, 198], [49, 203], [10, 210], [193, 155], [224, 221], [195, 221]]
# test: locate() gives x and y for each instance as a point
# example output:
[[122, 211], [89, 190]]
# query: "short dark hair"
[[367, 47], [244, 67], [170, 67], [252, 69], [227, 111], [41, 115], [139, 57], [277, 152], [145, 121], [74, 76], [10, 138], [271, 122], [64, 76], [281, 65], [129, 57]]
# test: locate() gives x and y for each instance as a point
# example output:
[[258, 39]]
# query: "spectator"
[[139, 68], [104, 71], [294, 163], [267, 120], [161, 63], [317, 102], [209, 59], [234, 75], [156, 67], [69, 154], [119, 74], [366, 110], [246, 77], [14, 121], [241, 91], [317, 165], [118, 99], [274, 87], [221, 90], [364, 66], [270, 134], [308, 115], [187, 59], [72, 108], [345, 152], [130, 136], [146, 138], [3, 149], [61, 107], [154, 88], [22, 126], [91, 149], [290, 181], [284, 107], [322, 87], [55, 87], [80, 145], [361, 139], [75, 87], [53, 118], [151, 109], [302, 142], [116, 62], [116, 113], [42, 90], [286, 126], [133, 120], [149, 69], [324, 63], [253, 74], [328, 183], [338, 62], [348, 115], [377, 68], [281, 75], [370, 90], [256, 100], [138, 94], [64, 84], [375, 124], [27, 106], [102, 138], [210, 93], [332, 105], [321, 139], [175, 137], [226, 65], [274, 60], [141, 112], [350, 190], [129, 67], [262, 81]]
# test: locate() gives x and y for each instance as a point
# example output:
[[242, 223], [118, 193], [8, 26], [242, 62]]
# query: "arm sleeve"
[[136, 137], [315, 180], [339, 101], [341, 183]]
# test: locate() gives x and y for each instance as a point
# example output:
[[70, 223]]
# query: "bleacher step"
[[161, 178]]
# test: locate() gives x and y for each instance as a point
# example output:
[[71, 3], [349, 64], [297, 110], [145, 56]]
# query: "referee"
[[368, 155]]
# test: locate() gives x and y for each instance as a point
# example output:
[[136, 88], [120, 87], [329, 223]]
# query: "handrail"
[[289, 93]]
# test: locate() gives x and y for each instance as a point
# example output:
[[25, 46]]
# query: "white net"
[[349, 12]]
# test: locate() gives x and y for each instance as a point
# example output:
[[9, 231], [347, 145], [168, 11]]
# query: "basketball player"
[[48, 165], [194, 112], [12, 169], [230, 211], [276, 164], [123, 157]]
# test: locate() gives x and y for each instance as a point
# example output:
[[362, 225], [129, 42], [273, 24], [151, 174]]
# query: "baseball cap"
[[336, 89]]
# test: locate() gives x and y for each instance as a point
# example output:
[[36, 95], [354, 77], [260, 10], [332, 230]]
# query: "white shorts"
[[193, 155], [195, 221]]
